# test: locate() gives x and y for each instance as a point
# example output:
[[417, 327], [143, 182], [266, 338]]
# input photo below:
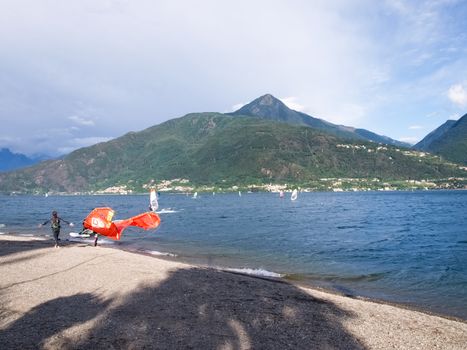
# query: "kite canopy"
[[100, 221]]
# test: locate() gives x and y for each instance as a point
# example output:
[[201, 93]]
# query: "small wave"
[[2, 233], [157, 253], [166, 211], [345, 227], [2, 225], [90, 240], [379, 241], [256, 272], [80, 240], [360, 278], [370, 277], [105, 241], [462, 242], [355, 278]]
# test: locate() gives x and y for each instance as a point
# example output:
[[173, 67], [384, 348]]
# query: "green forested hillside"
[[449, 141], [211, 148]]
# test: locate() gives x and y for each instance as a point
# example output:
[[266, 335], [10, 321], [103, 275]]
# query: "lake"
[[403, 247]]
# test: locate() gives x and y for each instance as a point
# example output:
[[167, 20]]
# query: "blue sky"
[[73, 73]]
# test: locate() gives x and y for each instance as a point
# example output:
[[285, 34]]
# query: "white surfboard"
[[77, 235]]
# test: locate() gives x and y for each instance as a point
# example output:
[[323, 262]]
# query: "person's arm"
[[67, 222], [45, 223]]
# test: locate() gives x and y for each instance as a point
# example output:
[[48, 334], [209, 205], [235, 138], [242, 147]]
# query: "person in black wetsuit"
[[55, 221]]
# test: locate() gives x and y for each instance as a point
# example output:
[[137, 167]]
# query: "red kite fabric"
[[100, 221]]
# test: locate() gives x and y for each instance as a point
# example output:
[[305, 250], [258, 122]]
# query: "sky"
[[74, 73]]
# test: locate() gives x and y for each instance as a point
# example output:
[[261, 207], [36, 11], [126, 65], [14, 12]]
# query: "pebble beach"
[[84, 297]]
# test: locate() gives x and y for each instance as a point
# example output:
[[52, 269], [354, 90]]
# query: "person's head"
[[54, 214]]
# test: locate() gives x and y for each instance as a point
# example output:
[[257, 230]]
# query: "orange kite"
[[100, 221]]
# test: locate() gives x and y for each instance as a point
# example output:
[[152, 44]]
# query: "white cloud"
[[81, 121], [292, 103], [409, 139], [458, 95], [434, 114], [235, 107], [76, 143], [416, 127], [359, 63], [88, 141], [348, 114]]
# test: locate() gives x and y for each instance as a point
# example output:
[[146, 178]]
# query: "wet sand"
[[84, 297]]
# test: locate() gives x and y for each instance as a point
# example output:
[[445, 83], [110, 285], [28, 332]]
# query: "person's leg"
[[95, 239], [56, 233]]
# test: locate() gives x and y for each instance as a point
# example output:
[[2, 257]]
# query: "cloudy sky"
[[73, 73]]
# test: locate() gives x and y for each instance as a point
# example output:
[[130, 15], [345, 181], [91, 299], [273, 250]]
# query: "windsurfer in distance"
[[153, 203], [55, 221]]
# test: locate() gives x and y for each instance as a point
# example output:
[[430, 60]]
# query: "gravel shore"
[[84, 297]]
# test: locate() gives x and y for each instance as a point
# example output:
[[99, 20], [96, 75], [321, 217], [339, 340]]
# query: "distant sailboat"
[[294, 195], [281, 194], [195, 195], [239, 193], [153, 203]]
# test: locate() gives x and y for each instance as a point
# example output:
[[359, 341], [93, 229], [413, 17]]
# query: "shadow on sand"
[[8, 247], [192, 309]]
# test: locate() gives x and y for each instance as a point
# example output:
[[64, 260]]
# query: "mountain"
[[11, 161], [424, 144], [269, 107], [212, 148], [449, 140]]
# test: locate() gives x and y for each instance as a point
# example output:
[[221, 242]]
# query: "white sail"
[[281, 194], [294, 195], [195, 195], [153, 203]]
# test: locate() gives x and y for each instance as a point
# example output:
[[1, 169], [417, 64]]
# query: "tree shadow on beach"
[[49, 319], [8, 247], [194, 308], [208, 309]]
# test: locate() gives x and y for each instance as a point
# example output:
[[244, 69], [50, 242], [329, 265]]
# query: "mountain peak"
[[267, 100], [266, 106], [269, 107]]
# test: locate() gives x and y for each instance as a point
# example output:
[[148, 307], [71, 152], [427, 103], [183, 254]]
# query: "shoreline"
[[314, 284], [80, 296], [209, 192], [307, 284]]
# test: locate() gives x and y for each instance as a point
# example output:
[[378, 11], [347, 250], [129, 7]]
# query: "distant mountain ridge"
[[216, 149], [271, 108], [448, 140], [11, 161]]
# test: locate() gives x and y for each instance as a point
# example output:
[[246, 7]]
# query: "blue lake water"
[[404, 247]]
